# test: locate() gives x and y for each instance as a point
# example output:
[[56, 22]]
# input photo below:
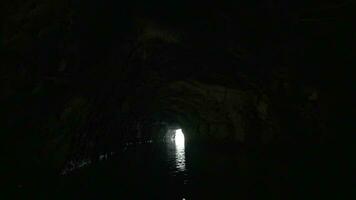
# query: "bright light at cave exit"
[[179, 150], [179, 138]]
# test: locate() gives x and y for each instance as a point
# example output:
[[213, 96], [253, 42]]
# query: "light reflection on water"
[[179, 150]]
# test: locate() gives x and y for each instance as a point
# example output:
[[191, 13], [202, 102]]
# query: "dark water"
[[165, 171], [193, 171]]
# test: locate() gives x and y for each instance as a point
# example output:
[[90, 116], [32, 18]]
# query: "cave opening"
[[179, 138]]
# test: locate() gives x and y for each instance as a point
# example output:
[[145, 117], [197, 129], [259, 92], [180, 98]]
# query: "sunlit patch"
[[179, 138]]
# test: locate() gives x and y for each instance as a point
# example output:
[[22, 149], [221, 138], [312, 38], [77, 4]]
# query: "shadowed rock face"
[[80, 78], [214, 112]]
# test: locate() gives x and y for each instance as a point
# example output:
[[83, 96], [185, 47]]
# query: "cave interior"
[[83, 81]]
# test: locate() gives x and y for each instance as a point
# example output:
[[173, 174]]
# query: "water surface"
[[168, 171]]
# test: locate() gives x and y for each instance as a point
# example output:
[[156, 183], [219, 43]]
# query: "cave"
[[175, 99]]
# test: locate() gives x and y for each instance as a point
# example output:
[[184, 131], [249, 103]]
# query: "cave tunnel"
[[173, 99]]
